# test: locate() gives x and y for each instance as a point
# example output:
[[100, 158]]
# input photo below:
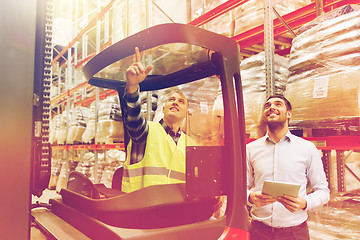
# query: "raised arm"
[[136, 73], [135, 122]]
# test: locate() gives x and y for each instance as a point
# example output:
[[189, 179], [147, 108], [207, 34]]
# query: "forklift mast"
[[24, 100], [41, 149]]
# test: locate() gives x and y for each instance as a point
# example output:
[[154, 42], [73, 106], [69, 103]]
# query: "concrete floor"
[[339, 219], [35, 233]]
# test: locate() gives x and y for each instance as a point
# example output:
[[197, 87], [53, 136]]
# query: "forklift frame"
[[224, 62], [228, 61]]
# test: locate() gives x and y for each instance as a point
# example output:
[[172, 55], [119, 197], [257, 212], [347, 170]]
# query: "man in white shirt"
[[281, 156]]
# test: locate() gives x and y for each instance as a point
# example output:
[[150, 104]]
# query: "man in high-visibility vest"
[[156, 151]]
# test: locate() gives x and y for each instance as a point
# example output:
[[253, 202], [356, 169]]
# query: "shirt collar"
[[168, 129], [288, 136]]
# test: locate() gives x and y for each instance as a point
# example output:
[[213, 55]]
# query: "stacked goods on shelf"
[[176, 14], [54, 91], [201, 95], [64, 171], [110, 126], [56, 164], [107, 163], [253, 80], [54, 128], [86, 164], [324, 81], [202, 7], [77, 125], [82, 165], [222, 24], [63, 128], [169, 58], [251, 13], [114, 160], [130, 17], [154, 102], [217, 122], [88, 136], [121, 12]]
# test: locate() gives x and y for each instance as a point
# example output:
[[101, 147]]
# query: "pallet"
[[326, 127], [89, 143], [111, 141]]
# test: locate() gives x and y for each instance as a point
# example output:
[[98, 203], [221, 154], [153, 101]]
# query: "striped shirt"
[[138, 128]]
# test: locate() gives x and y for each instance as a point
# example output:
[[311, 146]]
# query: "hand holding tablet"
[[278, 189]]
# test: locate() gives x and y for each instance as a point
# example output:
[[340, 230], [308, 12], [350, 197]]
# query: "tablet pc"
[[277, 189]]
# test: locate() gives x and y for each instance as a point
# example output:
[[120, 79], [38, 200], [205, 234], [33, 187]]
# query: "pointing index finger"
[[137, 55]]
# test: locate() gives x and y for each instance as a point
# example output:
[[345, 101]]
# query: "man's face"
[[175, 108], [275, 112]]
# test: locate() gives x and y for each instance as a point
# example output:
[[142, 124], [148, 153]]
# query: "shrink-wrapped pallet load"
[[63, 127], [64, 172], [324, 80], [130, 17], [110, 126], [253, 79], [56, 164], [77, 125], [251, 13], [114, 159], [223, 24], [86, 163], [54, 129], [144, 106], [88, 136]]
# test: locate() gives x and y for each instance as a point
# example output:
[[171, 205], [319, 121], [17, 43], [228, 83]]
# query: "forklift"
[[172, 211]]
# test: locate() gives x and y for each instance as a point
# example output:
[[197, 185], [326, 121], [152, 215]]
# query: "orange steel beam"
[[216, 12], [295, 20]]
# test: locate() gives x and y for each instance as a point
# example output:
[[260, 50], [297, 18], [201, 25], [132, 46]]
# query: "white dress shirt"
[[292, 160]]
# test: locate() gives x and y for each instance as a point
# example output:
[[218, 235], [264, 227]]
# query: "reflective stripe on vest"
[[154, 171]]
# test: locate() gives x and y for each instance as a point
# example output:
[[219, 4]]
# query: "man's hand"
[[292, 203], [136, 73], [260, 199]]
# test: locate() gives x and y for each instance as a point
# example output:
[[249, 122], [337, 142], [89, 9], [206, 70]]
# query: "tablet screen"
[[277, 189]]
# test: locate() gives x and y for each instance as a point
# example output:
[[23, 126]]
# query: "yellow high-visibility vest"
[[163, 162]]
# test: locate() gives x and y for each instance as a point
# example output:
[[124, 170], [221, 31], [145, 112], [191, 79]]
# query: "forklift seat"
[[79, 183], [156, 206]]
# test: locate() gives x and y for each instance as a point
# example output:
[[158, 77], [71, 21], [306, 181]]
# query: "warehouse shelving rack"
[[255, 36], [344, 146]]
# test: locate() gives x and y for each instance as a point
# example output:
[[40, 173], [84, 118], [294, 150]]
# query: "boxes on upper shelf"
[[77, 125], [253, 80], [324, 80], [110, 126], [251, 13]]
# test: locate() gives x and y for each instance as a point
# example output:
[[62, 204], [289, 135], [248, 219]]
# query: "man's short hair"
[[178, 92], [287, 103]]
